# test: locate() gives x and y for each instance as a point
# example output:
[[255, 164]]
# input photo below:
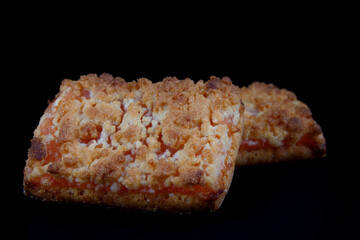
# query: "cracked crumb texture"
[[168, 145], [277, 127]]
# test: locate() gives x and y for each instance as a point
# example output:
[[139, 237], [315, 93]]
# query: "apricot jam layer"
[[254, 144], [59, 182], [319, 150]]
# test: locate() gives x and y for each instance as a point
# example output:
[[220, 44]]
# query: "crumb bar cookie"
[[169, 145], [278, 127]]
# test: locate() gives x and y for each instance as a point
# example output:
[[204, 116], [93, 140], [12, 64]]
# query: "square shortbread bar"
[[169, 145]]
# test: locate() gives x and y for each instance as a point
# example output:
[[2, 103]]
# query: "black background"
[[302, 200]]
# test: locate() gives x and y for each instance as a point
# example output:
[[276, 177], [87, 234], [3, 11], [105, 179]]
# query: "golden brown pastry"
[[278, 127], [169, 145]]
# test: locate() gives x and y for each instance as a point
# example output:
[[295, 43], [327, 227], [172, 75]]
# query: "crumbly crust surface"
[[169, 145], [278, 127]]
